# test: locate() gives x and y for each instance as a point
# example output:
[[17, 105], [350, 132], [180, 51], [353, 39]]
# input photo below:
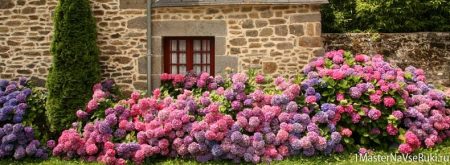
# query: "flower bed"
[[341, 102]]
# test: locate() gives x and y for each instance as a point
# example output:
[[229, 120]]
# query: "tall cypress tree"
[[75, 64]]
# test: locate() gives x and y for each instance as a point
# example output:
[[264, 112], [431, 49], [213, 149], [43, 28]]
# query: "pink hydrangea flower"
[[92, 105], [339, 96], [405, 149], [346, 132], [260, 79], [375, 98], [338, 74], [360, 58], [389, 101], [310, 99], [91, 149], [165, 77], [135, 95], [391, 129]]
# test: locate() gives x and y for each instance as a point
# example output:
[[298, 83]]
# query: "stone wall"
[[276, 39], [26, 30], [429, 51]]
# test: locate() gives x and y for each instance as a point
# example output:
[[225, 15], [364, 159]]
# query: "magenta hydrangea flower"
[[259, 79], [391, 129], [405, 149], [92, 105], [375, 98], [310, 99], [338, 74], [135, 95], [389, 101]]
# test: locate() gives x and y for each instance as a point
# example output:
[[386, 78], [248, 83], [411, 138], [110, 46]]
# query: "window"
[[184, 54]]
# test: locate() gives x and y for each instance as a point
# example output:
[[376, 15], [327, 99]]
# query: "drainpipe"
[[149, 47]]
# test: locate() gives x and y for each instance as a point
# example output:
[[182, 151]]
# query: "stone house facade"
[[277, 37]]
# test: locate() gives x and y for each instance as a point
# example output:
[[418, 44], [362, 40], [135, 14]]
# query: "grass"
[[344, 159]]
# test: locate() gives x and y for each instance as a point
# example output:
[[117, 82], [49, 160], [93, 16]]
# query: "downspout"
[[149, 47]]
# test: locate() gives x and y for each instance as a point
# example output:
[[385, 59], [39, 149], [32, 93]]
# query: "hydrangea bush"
[[341, 102], [17, 141], [378, 105]]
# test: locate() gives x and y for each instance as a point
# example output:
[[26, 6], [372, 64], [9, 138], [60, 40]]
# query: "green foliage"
[[386, 15], [75, 66], [35, 115]]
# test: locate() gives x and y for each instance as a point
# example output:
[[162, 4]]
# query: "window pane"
[[204, 58], [182, 58], [182, 69], [197, 58], [182, 45], [197, 45], [205, 43], [197, 69], [174, 45], [208, 69], [207, 58], [174, 69], [204, 68], [174, 58]]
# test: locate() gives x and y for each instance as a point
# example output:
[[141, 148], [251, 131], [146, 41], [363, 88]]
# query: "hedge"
[[392, 16]]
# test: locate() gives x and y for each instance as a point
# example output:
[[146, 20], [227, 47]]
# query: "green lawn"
[[344, 159]]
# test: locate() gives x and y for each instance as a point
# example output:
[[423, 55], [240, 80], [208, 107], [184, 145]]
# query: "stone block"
[[248, 24], [140, 85], [38, 2], [296, 30], [310, 42], [285, 45], [4, 29], [157, 46], [238, 42], [310, 29], [28, 10], [122, 59], [255, 45], [137, 23], [266, 32], [223, 62], [277, 21], [4, 49], [269, 67], [281, 30], [261, 23], [6, 4], [302, 18], [251, 33], [266, 14], [190, 28], [133, 4], [220, 45], [157, 65]]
